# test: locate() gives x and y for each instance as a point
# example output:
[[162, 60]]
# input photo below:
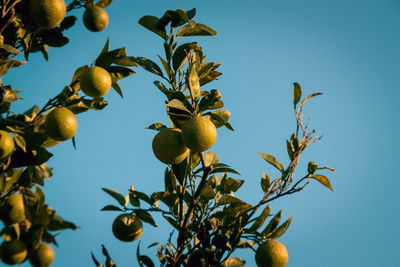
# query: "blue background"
[[349, 50]]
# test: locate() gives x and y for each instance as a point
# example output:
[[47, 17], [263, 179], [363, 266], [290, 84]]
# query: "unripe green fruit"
[[13, 252], [42, 256], [6, 144], [95, 81], [95, 18], [127, 227], [199, 134], [47, 14], [14, 209], [61, 124], [168, 146], [272, 253]]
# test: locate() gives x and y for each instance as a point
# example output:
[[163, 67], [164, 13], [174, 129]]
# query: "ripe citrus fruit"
[[13, 252], [47, 14], [95, 18], [199, 134], [127, 227], [199, 258], [61, 124], [14, 210], [95, 81], [168, 147], [272, 253], [6, 144], [42, 256]]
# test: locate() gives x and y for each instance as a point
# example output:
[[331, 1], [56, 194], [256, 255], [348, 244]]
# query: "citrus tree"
[[208, 223], [30, 225]]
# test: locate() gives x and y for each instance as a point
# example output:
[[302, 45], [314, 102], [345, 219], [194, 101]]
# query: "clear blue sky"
[[349, 50]]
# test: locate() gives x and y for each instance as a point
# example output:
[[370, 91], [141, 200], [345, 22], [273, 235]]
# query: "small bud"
[[312, 167]]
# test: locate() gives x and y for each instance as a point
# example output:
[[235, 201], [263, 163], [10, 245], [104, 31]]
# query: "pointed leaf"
[[177, 104], [261, 219], [116, 195], [281, 229], [296, 93], [265, 182], [111, 208], [156, 126], [197, 29], [272, 224], [194, 83], [146, 217], [148, 65], [323, 180], [272, 160], [308, 97], [151, 23]]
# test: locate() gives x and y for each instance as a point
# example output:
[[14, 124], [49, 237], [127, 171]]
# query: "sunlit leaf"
[[278, 232], [272, 160], [296, 93], [197, 29], [323, 180], [151, 23], [116, 195]]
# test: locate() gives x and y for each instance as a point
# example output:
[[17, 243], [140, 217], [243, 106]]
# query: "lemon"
[[61, 124], [14, 210], [127, 227], [47, 14], [6, 144], [95, 82], [42, 256], [95, 18], [13, 252], [199, 134], [168, 147], [272, 253]]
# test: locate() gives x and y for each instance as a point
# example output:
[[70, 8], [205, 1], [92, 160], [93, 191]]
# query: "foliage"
[[208, 221]]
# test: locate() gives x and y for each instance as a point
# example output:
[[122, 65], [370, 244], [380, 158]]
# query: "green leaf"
[[145, 216], [116, 195], [148, 65], [172, 221], [234, 262], [9, 49], [290, 149], [7, 65], [169, 180], [261, 219], [20, 141], [210, 158], [151, 23], [13, 180], [194, 83], [272, 160], [281, 229], [265, 182], [105, 59], [111, 208], [228, 199], [323, 180], [177, 104], [197, 29], [103, 3], [166, 66], [230, 185], [217, 170], [220, 117], [154, 244], [57, 223], [120, 72], [117, 89], [209, 100], [272, 224], [179, 57], [184, 16], [296, 94], [142, 196], [158, 126], [95, 261]]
